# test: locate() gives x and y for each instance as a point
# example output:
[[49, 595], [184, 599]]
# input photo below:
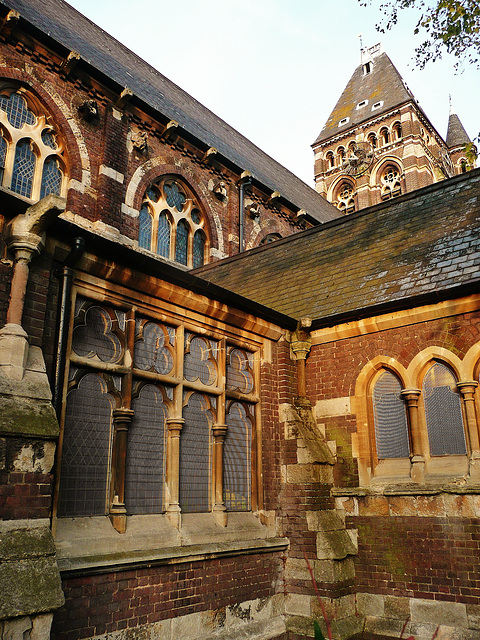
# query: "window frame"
[[176, 218], [176, 381], [33, 134], [420, 466]]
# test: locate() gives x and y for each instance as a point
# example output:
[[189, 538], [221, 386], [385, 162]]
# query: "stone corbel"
[[169, 129], [300, 345], [25, 238]]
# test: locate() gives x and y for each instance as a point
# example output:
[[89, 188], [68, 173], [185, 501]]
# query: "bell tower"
[[378, 143]]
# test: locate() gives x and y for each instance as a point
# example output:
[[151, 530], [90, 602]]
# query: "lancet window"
[[31, 152]]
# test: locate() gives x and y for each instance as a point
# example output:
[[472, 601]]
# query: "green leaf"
[[318, 632]]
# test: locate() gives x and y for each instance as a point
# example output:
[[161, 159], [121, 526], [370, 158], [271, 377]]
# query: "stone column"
[[219, 509], [174, 426], [411, 397], [118, 512], [300, 345], [467, 391]]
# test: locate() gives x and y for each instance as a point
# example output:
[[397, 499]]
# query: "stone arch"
[[79, 167]]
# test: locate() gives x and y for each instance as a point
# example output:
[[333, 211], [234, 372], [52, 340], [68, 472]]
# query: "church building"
[[231, 405]]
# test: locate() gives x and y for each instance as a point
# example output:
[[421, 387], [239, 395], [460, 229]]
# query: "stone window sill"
[[91, 545]]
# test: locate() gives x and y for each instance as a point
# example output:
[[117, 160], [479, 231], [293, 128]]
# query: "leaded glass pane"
[[163, 239], [23, 169], [18, 113], [237, 458], [150, 352], [95, 338], [443, 411], [198, 249], [390, 418], [240, 371], [48, 139], [195, 215], [145, 469], [86, 449], [181, 246], [51, 178], [145, 228], [200, 360], [153, 194], [174, 197], [195, 455]]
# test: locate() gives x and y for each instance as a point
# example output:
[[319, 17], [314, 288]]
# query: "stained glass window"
[[175, 197], [126, 375]]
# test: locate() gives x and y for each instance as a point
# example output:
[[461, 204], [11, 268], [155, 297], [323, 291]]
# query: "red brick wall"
[[419, 557], [25, 494], [111, 602]]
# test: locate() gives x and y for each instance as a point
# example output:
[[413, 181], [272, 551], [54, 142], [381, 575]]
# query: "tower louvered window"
[[171, 224], [31, 153]]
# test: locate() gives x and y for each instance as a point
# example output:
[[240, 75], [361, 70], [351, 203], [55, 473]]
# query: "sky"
[[274, 69]]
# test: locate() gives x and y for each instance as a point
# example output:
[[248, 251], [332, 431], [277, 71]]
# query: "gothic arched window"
[[345, 197], [390, 417], [171, 224], [31, 154], [443, 412], [390, 182]]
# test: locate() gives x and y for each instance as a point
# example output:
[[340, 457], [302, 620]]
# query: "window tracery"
[[31, 152], [345, 197], [171, 224], [157, 380], [390, 182]]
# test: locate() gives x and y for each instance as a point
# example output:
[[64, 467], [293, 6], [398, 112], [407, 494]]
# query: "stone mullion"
[[219, 431], [256, 470], [121, 421], [118, 512], [174, 428]]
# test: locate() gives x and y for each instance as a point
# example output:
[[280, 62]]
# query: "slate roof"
[[421, 247], [456, 134], [75, 32], [383, 83]]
